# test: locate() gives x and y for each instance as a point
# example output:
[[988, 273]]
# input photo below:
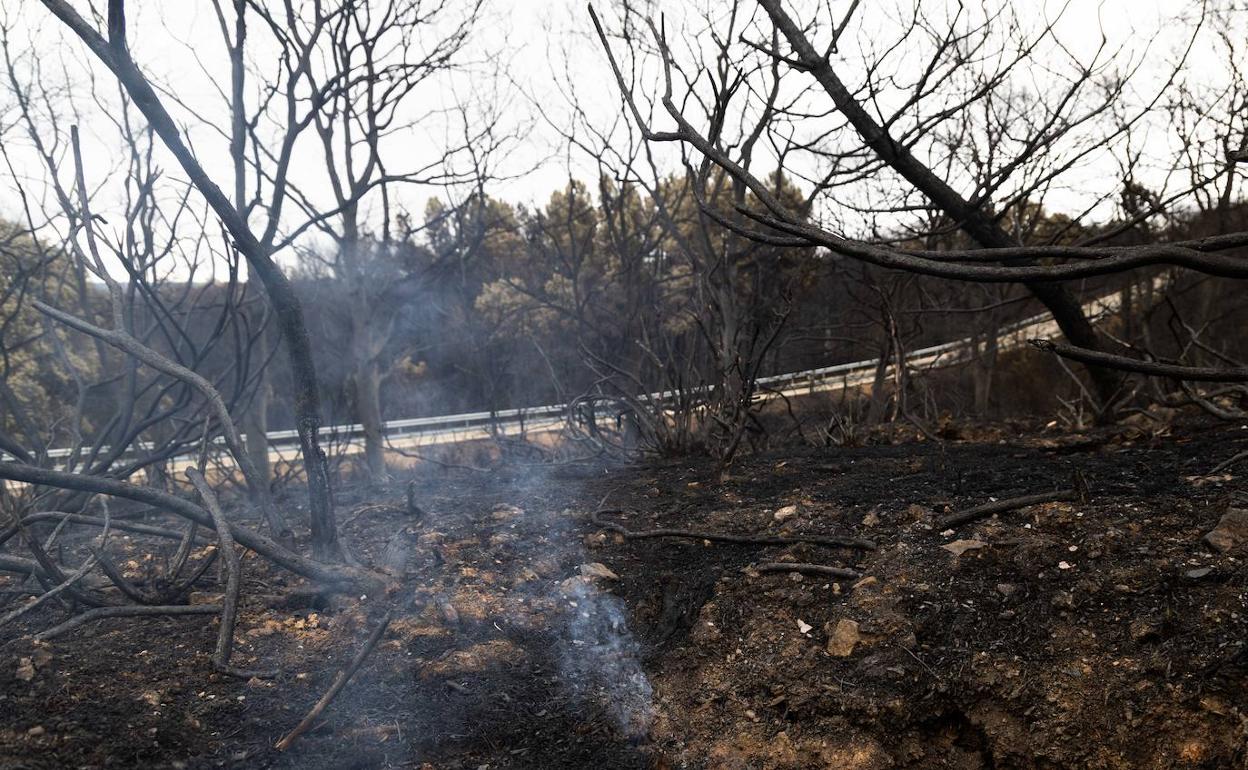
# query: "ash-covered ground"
[[1100, 633]]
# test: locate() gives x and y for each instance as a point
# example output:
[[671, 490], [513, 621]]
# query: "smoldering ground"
[[510, 636]]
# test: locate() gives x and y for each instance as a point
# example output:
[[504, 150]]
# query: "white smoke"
[[601, 661]]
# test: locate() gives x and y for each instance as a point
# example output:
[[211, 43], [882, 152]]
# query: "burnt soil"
[[1102, 633]]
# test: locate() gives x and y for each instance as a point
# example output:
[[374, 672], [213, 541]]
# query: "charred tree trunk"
[[368, 336], [879, 396], [983, 368], [289, 313], [972, 218], [114, 53], [256, 429], [367, 386]]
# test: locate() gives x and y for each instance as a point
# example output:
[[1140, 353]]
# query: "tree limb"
[[1154, 368]]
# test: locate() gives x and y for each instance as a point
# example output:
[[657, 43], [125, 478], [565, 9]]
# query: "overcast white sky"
[[544, 46]]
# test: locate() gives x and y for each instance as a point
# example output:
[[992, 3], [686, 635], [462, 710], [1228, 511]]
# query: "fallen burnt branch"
[[340, 681], [175, 592], [96, 521], [264, 546], [100, 613], [22, 566], [54, 572], [1229, 462], [233, 580], [1002, 506], [128, 589], [1154, 368], [410, 509], [808, 569], [257, 488], [721, 537], [69, 582]]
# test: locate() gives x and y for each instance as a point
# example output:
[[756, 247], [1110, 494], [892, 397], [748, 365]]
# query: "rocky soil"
[[1107, 632]]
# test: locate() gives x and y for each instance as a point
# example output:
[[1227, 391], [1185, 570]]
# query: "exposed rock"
[[504, 512], [577, 585], [785, 513], [25, 670], [1231, 534], [1144, 629], [959, 547], [598, 570], [866, 584], [447, 612], [397, 552], [843, 638]]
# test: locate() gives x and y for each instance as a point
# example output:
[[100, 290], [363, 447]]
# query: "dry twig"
[[99, 613], [808, 569], [79, 574], [233, 580], [340, 681], [1231, 461], [1001, 506], [720, 537]]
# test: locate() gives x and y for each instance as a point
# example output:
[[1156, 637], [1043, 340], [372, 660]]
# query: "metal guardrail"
[[810, 379]]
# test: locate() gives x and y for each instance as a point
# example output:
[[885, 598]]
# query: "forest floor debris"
[[1103, 633]]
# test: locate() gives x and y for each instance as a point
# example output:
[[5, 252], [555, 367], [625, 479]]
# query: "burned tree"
[[158, 364], [674, 316], [113, 51], [379, 58], [961, 113]]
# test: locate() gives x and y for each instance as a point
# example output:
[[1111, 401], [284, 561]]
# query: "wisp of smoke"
[[600, 661]]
